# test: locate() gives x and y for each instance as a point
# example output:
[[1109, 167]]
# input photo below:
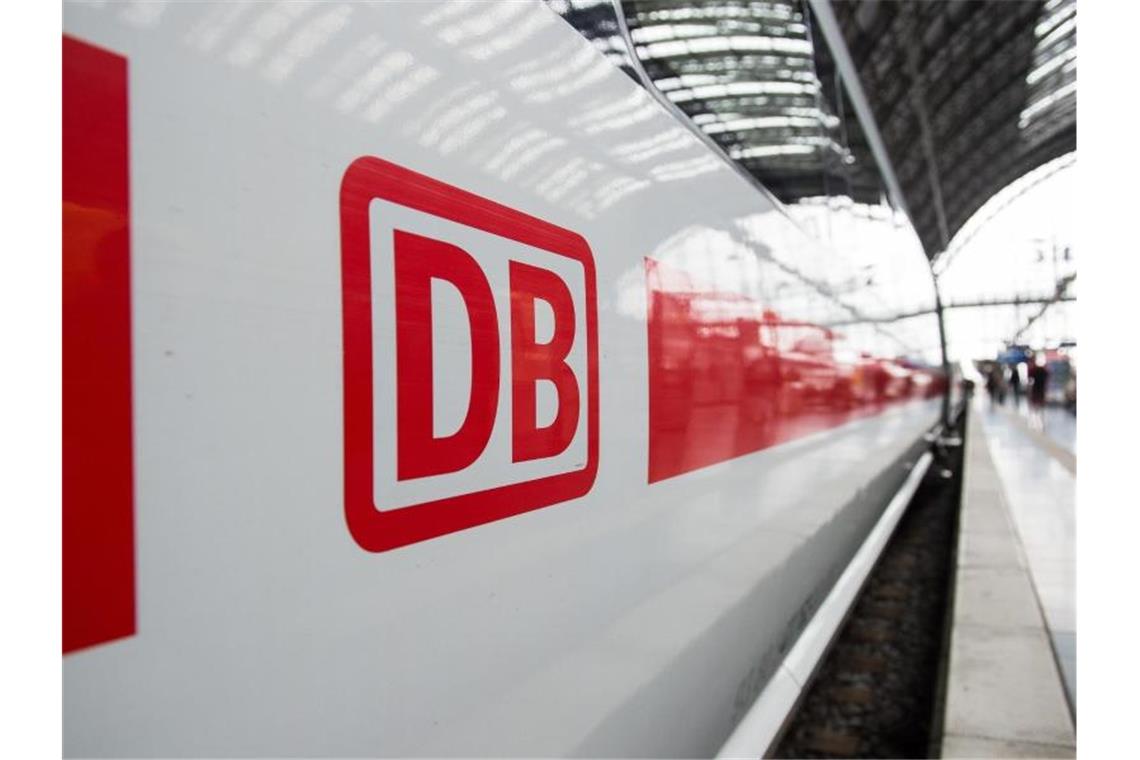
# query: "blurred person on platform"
[[1039, 379], [995, 385], [1015, 382]]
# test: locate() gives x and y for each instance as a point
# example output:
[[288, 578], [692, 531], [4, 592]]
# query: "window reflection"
[[729, 374], [745, 74]]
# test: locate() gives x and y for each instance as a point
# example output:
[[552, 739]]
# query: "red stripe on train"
[[727, 377], [98, 498]]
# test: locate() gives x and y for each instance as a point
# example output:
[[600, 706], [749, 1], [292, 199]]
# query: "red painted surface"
[[368, 178], [98, 508], [727, 377]]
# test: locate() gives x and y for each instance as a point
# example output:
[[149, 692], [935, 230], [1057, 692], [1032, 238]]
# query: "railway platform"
[[1011, 679]]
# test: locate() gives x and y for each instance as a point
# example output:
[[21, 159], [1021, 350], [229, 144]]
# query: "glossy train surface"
[[464, 401]]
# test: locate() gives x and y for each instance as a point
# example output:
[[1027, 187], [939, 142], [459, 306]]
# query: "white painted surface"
[[760, 727], [635, 621]]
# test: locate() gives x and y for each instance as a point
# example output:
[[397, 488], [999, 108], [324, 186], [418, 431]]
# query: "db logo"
[[470, 358]]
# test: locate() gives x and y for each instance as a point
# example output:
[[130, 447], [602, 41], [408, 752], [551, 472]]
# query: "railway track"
[[878, 693]]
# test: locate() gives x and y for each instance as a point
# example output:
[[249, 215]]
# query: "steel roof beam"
[[833, 35], [980, 303], [1060, 295]]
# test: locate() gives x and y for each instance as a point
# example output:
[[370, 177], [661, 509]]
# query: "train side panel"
[[620, 580]]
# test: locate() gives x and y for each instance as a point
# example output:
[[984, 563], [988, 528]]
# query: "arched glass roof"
[[968, 96], [963, 96]]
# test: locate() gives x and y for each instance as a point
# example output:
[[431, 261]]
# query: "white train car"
[[431, 388]]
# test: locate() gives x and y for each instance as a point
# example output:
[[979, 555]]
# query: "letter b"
[[532, 361]]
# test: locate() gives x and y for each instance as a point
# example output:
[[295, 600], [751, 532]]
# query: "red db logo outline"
[[369, 178]]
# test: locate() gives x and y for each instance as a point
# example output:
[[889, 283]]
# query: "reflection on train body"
[[728, 377]]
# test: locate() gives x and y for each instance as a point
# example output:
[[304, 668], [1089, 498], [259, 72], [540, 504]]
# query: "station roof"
[[967, 95]]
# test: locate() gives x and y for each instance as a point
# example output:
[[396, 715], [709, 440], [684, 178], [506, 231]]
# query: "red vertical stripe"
[[98, 509]]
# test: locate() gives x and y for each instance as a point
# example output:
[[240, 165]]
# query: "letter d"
[[418, 452]]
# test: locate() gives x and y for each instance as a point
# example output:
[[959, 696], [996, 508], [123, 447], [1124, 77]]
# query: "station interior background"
[[977, 116]]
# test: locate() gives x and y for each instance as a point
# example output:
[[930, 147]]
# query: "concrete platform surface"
[[1033, 454], [1005, 695]]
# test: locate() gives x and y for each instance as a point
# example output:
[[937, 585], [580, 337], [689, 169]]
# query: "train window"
[[755, 78], [744, 74]]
